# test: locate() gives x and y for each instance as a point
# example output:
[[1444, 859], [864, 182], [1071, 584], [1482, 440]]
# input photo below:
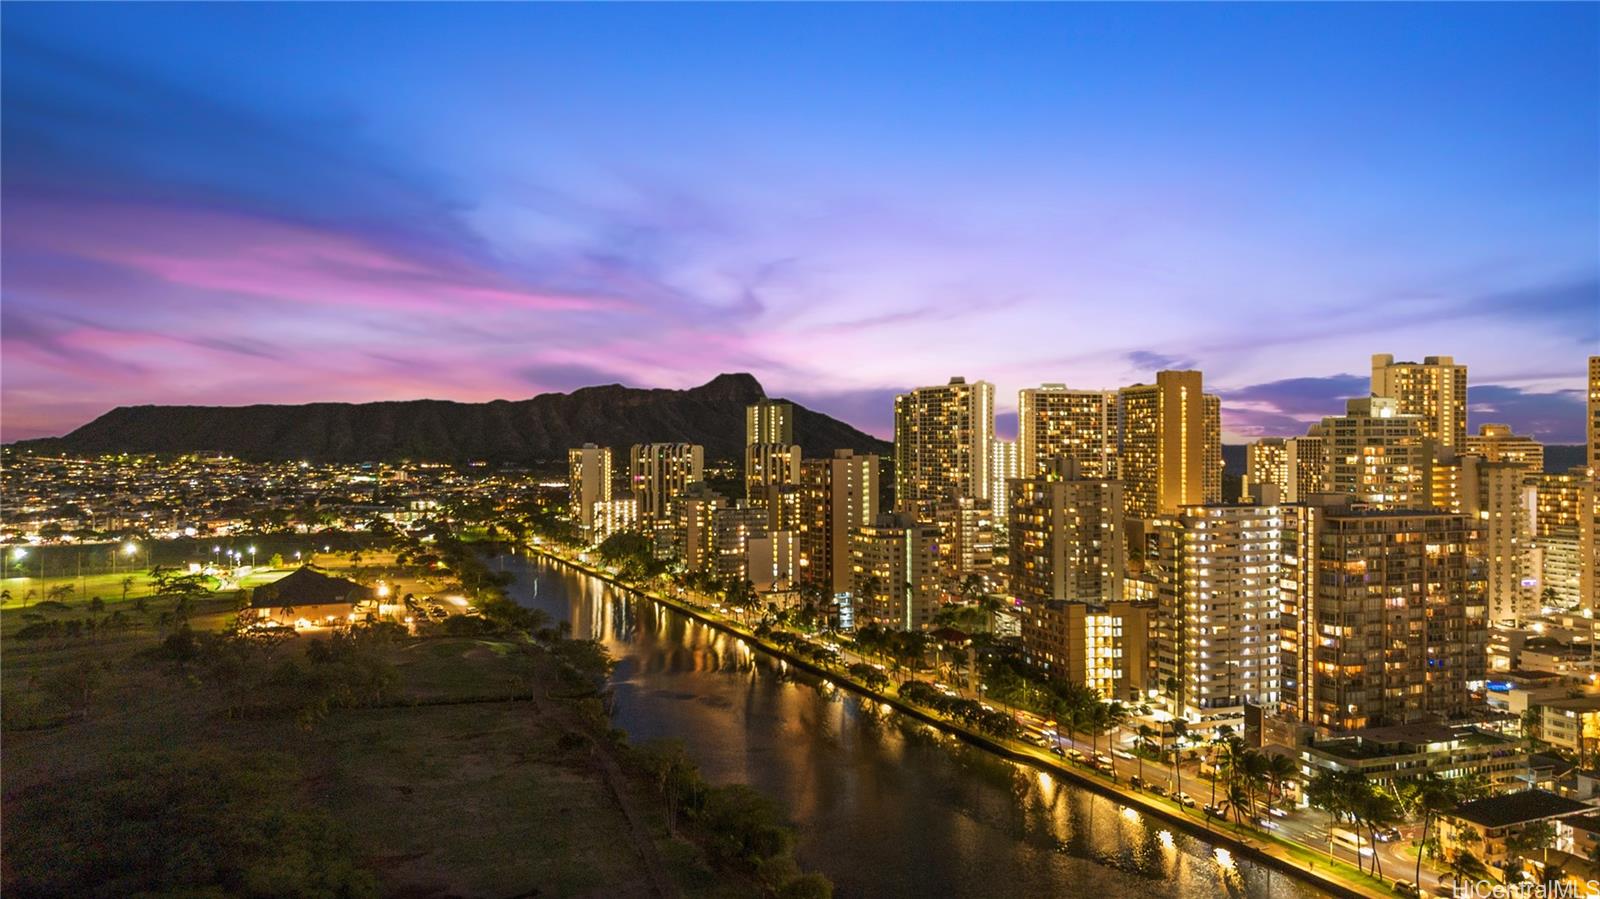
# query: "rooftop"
[[307, 586], [1519, 808]]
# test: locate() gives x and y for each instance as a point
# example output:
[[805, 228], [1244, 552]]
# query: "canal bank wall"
[[1263, 851]]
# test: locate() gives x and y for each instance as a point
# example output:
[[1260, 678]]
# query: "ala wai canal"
[[885, 805]]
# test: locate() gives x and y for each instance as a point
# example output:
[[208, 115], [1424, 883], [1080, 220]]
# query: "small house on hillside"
[[307, 598]]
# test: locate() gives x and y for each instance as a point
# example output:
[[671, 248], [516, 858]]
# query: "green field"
[[473, 774]]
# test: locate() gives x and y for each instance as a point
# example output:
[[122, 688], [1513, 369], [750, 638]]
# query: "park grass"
[[481, 797]]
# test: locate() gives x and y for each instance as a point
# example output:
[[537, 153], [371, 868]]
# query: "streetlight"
[[252, 555]]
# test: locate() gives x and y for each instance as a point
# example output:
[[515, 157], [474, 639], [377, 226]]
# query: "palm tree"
[[1117, 717], [1237, 800], [1378, 811], [1429, 796], [1463, 865], [1143, 744], [1281, 770]]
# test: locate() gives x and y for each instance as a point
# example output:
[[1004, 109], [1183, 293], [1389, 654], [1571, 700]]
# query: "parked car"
[[1058, 751], [1157, 789], [1184, 799], [1407, 888], [1214, 811], [1075, 755], [1136, 782]]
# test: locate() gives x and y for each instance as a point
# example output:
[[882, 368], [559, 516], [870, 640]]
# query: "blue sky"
[[284, 203]]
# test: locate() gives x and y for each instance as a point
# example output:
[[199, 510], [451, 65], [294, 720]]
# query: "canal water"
[[885, 805]]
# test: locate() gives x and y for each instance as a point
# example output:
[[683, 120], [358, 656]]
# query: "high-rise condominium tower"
[[1594, 413], [1079, 424], [1376, 454], [769, 421], [837, 496], [1066, 536], [660, 472], [1496, 443], [771, 460], [1435, 389], [588, 481], [895, 563], [1501, 499], [1170, 440], [1392, 624], [1005, 465], [1220, 570], [942, 438]]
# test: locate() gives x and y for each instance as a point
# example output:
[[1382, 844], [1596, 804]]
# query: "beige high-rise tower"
[[1079, 424], [1401, 641], [769, 421], [1376, 454], [1435, 389], [837, 496], [661, 472], [588, 481], [942, 438], [1170, 439], [1496, 443], [1066, 536]]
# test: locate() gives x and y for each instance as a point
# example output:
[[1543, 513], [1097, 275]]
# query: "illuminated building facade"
[[588, 482], [1434, 389], [1066, 539], [1496, 443], [1100, 645], [966, 541], [1220, 570], [769, 467], [1170, 444], [661, 472], [1392, 623], [1376, 454], [942, 445], [1053, 421], [895, 573], [836, 496], [1006, 465], [769, 421]]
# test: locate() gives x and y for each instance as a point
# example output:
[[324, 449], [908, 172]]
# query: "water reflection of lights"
[[1224, 858], [1166, 838], [1131, 814]]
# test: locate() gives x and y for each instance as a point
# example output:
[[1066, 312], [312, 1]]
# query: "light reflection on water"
[[885, 806]]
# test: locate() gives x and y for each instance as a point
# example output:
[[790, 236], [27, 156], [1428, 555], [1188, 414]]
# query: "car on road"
[[1103, 759], [1214, 811], [1266, 823], [1157, 789], [1122, 754], [1388, 835], [1075, 755], [1136, 782], [1184, 799], [1058, 751], [1409, 889]]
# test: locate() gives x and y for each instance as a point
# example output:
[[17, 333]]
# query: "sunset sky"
[[242, 203]]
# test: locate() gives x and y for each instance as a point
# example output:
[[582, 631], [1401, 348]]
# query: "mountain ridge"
[[538, 429]]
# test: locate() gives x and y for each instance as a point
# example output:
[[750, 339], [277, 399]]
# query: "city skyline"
[[493, 202]]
